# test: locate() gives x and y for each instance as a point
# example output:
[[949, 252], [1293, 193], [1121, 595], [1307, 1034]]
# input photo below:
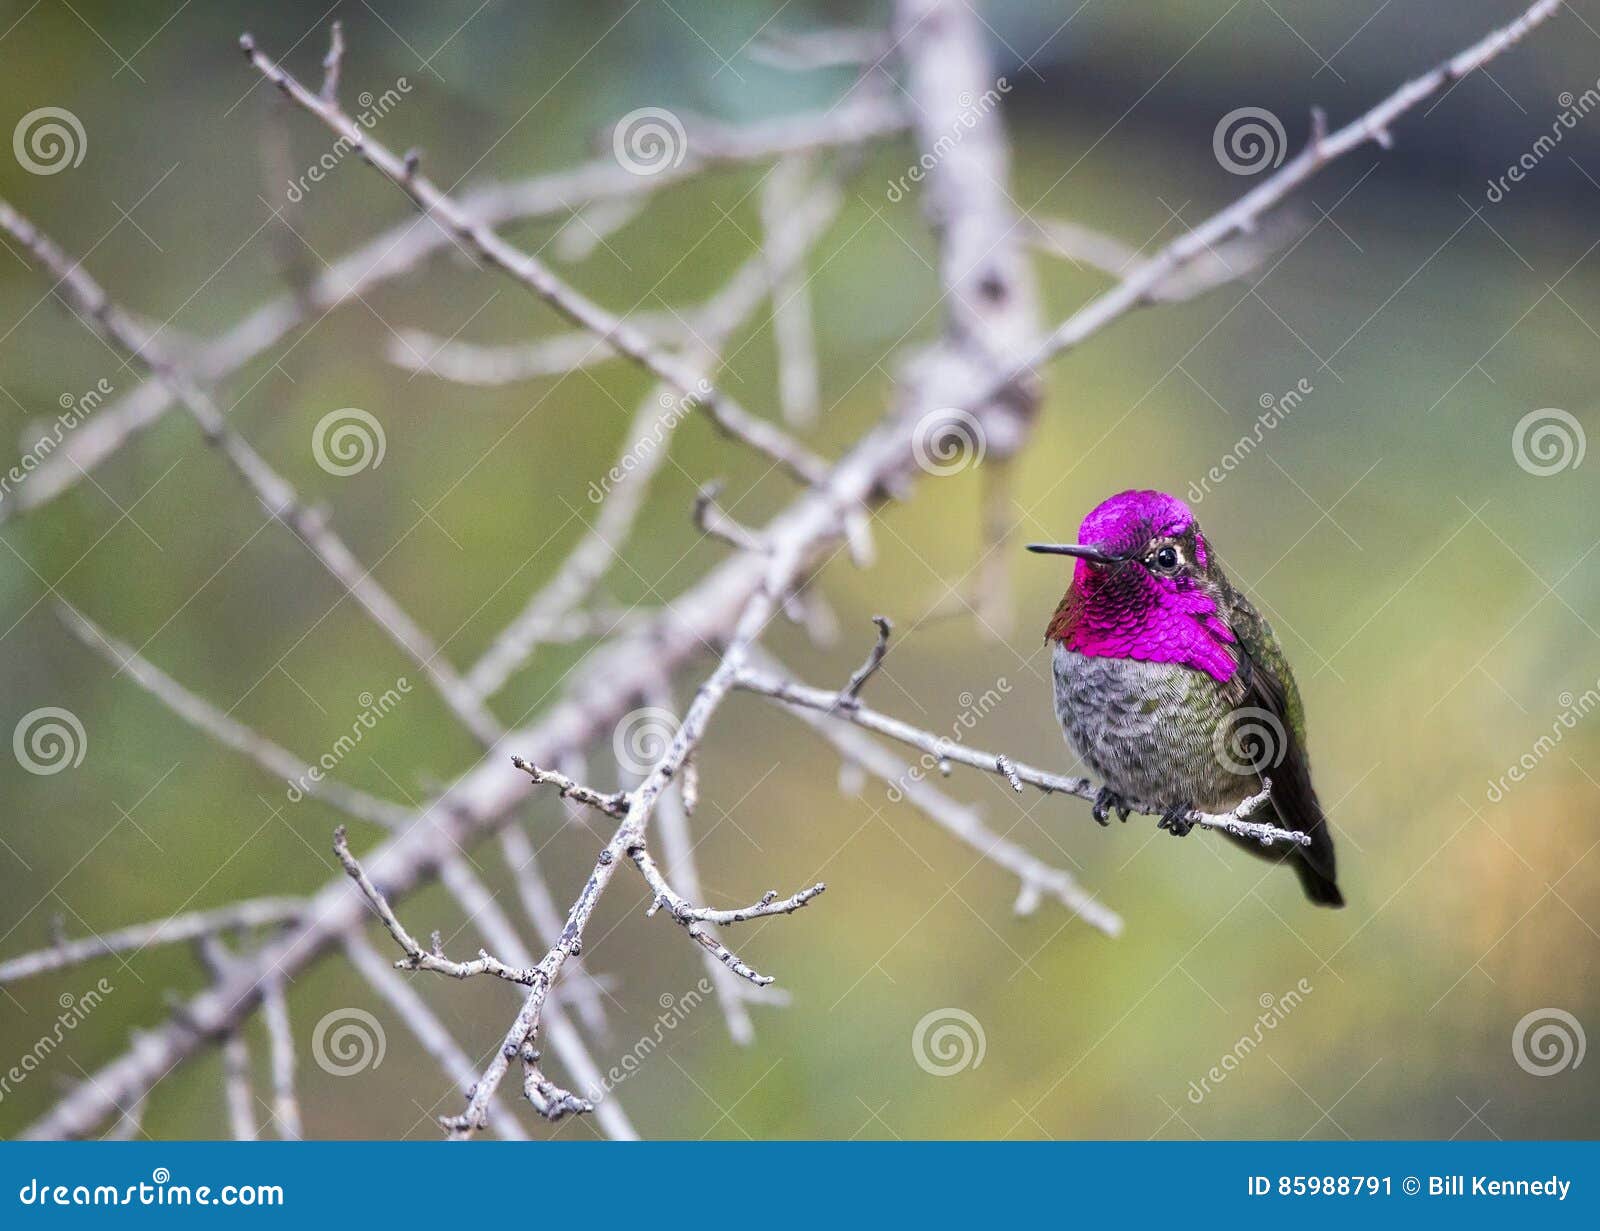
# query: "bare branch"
[[547, 1098], [424, 1024], [713, 324], [693, 386], [1035, 877], [275, 493], [332, 63], [416, 957], [1014, 772], [280, 1039], [176, 929], [692, 917], [791, 296], [677, 845], [613, 804], [199, 713], [540, 905], [401, 248], [1241, 217], [850, 694], [237, 1089], [711, 520]]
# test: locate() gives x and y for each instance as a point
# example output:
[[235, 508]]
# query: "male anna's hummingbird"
[[1171, 685]]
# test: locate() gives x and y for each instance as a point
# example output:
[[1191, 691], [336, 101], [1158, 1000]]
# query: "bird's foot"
[[1175, 820], [1106, 802]]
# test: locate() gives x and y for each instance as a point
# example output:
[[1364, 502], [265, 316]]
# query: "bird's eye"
[[1167, 558]]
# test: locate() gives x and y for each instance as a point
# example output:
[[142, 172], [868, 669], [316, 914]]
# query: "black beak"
[[1095, 555]]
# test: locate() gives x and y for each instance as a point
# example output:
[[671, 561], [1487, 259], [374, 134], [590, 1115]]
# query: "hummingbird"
[[1173, 688]]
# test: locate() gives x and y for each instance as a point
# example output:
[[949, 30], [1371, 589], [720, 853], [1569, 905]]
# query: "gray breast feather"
[[1145, 729]]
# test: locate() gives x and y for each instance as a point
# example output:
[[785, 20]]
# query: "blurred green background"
[[1438, 600]]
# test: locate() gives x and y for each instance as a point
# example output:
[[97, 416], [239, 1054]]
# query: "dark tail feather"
[[1319, 888], [1314, 865]]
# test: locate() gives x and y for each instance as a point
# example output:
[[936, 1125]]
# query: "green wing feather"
[[1268, 683]]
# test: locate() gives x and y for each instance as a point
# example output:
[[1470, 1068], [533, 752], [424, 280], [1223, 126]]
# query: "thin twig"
[[231, 733], [1035, 877], [612, 803], [236, 1087], [401, 248], [416, 957], [1241, 217], [276, 495], [533, 891], [946, 749], [850, 694], [694, 388], [280, 1049], [694, 917], [677, 847], [176, 929], [713, 324], [332, 63], [431, 1033], [711, 520]]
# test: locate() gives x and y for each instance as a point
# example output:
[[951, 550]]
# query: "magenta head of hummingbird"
[[1143, 587]]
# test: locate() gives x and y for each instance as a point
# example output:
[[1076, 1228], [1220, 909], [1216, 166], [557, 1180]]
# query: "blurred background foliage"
[[1437, 600]]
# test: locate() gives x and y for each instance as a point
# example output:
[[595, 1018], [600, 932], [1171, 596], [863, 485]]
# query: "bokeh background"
[[1439, 600]]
